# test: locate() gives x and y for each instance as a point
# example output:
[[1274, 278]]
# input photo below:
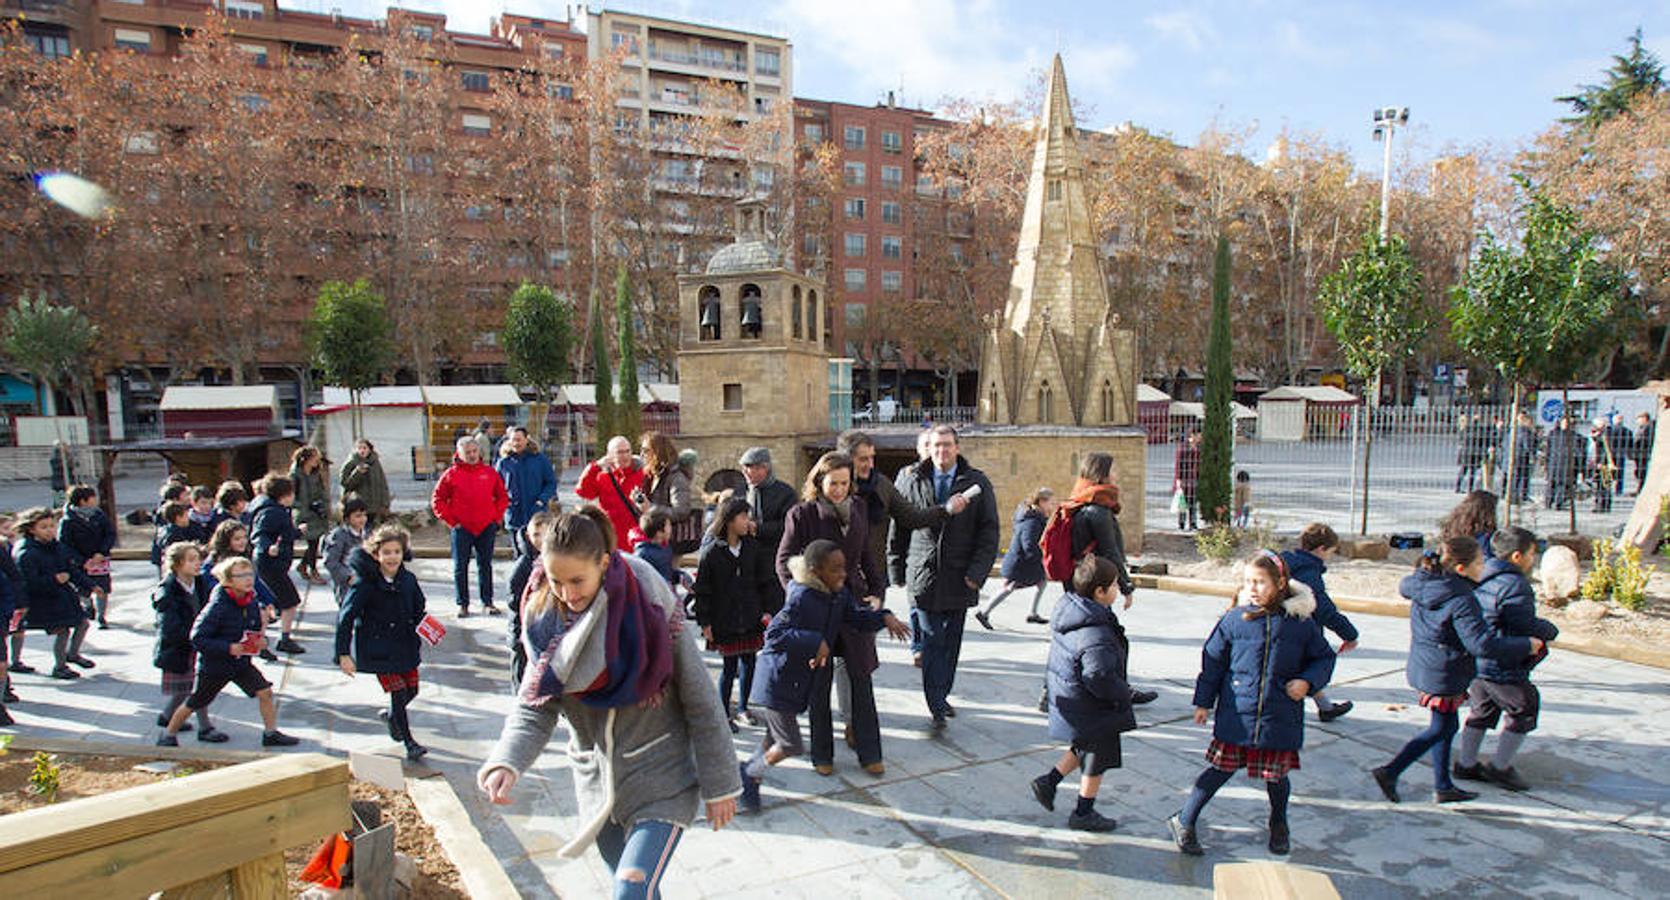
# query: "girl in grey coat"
[[648, 744]]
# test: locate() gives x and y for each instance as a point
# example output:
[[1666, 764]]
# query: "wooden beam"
[[1270, 881], [263, 877]]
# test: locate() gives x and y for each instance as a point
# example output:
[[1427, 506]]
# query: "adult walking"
[[943, 566], [769, 498], [1185, 467], [1524, 438], [61, 471], [529, 481], [667, 488], [828, 511], [1565, 459], [363, 477], [1641, 448], [313, 499], [1469, 452], [1605, 463], [1094, 508], [648, 746], [470, 498], [611, 482]]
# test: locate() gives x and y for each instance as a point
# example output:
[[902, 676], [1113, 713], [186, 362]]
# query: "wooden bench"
[[1272, 880]]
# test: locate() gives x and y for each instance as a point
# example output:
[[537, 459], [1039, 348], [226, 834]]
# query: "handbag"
[[1179, 503]]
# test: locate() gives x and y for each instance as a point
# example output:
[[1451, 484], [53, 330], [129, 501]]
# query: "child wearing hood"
[[1090, 699], [1447, 631], [1317, 545], [1266, 655]]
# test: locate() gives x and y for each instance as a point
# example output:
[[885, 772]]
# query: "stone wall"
[[1020, 459], [783, 391]]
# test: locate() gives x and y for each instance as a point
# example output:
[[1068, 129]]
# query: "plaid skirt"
[[1443, 703], [180, 682], [1270, 765], [394, 681], [738, 647]]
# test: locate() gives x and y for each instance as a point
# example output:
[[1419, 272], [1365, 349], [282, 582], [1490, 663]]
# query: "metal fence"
[[1415, 476]]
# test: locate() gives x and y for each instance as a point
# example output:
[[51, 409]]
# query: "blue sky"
[[1471, 71]]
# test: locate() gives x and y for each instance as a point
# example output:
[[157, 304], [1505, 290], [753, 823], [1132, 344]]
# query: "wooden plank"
[[1272, 880], [263, 877], [478, 867], [65, 829], [165, 859], [216, 887], [29, 743]]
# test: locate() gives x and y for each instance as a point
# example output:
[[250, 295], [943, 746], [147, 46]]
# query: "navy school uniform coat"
[[1023, 562], [732, 591], [176, 607], [87, 535], [1509, 607], [221, 624], [1090, 698], [1247, 663], [51, 605], [169, 533], [272, 523], [811, 615], [377, 625], [1306, 568], [1447, 630], [11, 585]]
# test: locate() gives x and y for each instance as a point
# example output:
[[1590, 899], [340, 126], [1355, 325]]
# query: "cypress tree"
[[602, 380], [1217, 437], [627, 409]]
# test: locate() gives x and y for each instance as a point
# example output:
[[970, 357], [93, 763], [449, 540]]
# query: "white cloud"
[[1186, 26]]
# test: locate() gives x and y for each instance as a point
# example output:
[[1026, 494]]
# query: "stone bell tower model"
[[753, 368], [1059, 355]]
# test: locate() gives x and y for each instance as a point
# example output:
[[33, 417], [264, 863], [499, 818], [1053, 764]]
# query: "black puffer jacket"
[[51, 605], [732, 591], [936, 563], [377, 625]]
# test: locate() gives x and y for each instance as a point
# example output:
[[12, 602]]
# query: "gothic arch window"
[[709, 320], [751, 313], [991, 400], [1053, 190], [1107, 401], [1046, 402], [795, 314], [811, 315]]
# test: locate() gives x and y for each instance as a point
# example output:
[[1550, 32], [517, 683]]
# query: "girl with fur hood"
[[1266, 655]]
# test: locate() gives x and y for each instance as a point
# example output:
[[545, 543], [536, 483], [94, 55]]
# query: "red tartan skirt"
[[1442, 703], [1270, 765], [395, 681], [738, 647]]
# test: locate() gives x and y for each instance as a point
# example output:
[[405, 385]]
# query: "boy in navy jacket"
[[1317, 545], [1504, 686]]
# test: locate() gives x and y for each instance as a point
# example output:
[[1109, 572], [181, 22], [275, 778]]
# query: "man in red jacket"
[[470, 498], [610, 483]]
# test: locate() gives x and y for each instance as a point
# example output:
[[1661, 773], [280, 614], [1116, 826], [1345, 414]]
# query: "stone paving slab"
[[953, 816]]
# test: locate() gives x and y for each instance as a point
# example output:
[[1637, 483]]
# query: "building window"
[[618, 40], [852, 137], [477, 124], [711, 320], [891, 142], [762, 105], [475, 212], [892, 282], [1052, 192], [562, 92], [853, 174], [854, 280], [51, 46], [795, 315], [423, 32], [1046, 403], [767, 61], [856, 243], [243, 9], [254, 102], [855, 208], [1107, 401], [812, 133], [855, 315], [751, 313], [257, 53], [557, 259], [811, 244], [892, 213], [143, 143], [892, 247], [925, 184], [811, 315], [420, 163], [733, 398], [554, 51], [892, 177], [133, 39], [476, 81]]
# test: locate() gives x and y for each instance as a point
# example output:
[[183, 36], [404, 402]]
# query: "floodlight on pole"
[[1387, 120]]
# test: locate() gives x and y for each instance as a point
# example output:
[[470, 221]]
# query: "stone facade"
[[1019, 460]]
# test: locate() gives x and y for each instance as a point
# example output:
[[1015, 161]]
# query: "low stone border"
[[1588, 646]]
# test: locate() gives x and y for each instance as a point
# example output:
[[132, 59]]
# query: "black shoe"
[[490, 609], [10, 696], [735, 728], [1279, 839], [1454, 795], [21, 668], [81, 661], [162, 722], [1091, 821], [1474, 772], [168, 740], [5, 718], [1043, 791], [1387, 782], [1507, 778], [278, 739], [1140, 697], [65, 673], [288, 645], [948, 711], [938, 723], [1035, 619], [984, 622], [388, 722], [103, 624], [268, 655], [1335, 711], [1184, 838], [463, 612], [416, 751], [212, 735]]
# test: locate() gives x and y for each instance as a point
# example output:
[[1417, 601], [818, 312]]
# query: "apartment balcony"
[[731, 67]]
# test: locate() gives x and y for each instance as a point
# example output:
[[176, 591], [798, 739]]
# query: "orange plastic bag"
[[330, 863]]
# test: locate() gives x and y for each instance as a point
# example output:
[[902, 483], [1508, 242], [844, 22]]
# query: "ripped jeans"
[[639, 857]]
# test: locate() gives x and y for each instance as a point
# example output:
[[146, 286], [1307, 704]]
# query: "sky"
[[1472, 72]]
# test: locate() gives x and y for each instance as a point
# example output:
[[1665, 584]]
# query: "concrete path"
[[953, 816]]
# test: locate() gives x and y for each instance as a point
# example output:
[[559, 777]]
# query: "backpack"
[[1057, 545]]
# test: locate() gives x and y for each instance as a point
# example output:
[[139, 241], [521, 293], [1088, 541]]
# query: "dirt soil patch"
[[412, 837], [1378, 580]]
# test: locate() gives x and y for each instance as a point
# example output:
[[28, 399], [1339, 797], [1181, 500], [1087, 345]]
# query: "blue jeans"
[[1435, 738], [915, 631], [942, 643], [464, 545], [643, 852]]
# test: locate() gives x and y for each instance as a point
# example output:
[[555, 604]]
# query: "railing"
[[707, 61]]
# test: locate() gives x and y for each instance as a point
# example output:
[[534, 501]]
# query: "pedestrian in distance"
[[1023, 561], [362, 476], [769, 499], [1641, 448], [1090, 697], [1503, 688], [470, 498], [11, 590], [1565, 458], [177, 600], [226, 634], [54, 583], [667, 487], [1186, 480], [648, 723], [272, 535], [62, 474], [1447, 631], [311, 507], [1265, 655], [611, 482], [1241, 500], [377, 627], [529, 481], [1306, 564], [343, 540], [90, 535], [735, 587]]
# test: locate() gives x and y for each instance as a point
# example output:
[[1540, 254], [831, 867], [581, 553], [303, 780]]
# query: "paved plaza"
[[953, 816]]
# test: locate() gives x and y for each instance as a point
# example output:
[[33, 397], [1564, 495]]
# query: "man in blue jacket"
[[529, 480]]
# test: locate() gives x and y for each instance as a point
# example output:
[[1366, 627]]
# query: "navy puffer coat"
[[1510, 607], [1306, 568], [177, 607], [1023, 562], [51, 605], [220, 625], [1090, 698], [377, 625], [1247, 663], [811, 615], [1447, 630]]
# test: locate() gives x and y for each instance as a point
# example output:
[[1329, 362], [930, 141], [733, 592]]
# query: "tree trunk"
[[1571, 494], [1368, 448]]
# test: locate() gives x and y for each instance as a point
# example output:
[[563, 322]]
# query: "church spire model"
[[1058, 355]]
